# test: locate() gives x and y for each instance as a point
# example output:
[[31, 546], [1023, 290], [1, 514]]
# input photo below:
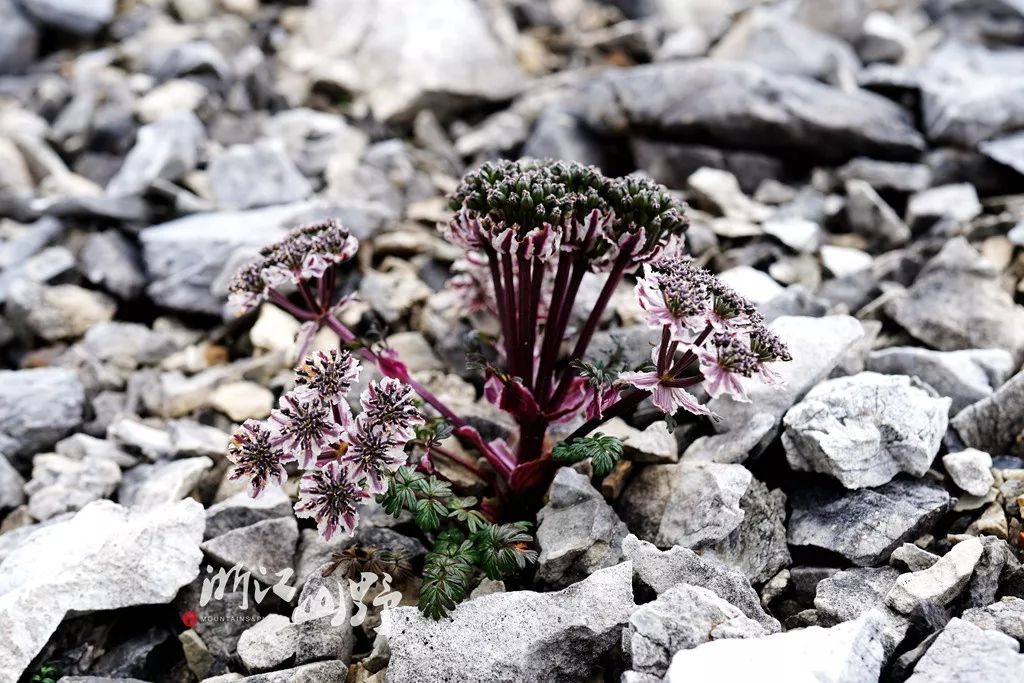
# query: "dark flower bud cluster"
[[346, 459], [305, 253]]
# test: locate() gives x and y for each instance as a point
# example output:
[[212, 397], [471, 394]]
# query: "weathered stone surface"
[[851, 651], [81, 18], [104, 558], [958, 203], [865, 525], [578, 532], [37, 408], [734, 446], [1007, 616], [995, 424], [957, 303], [381, 51], [971, 470], [268, 643], [514, 636], [939, 583], [848, 594], [260, 174], [323, 629], [736, 104], [681, 618], [317, 672], [11, 486], [912, 558], [865, 429], [965, 653], [268, 546], [60, 484], [660, 570], [816, 344], [146, 486], [242, 510], [166, 149], [869, 215], [59, 312], [965, 376]]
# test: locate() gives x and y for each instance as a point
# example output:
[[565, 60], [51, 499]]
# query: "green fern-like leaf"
[[401, 492], [504, 549], [428, 513], [603, 450], [461, 509]]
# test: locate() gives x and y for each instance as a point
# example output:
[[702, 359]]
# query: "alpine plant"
[[530, 233]]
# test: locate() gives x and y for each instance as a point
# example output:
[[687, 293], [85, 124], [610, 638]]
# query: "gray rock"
[[733, 104], [655, 444], [757, 547], [73, 16], [940, 583], [251, 176], [60, 484], [37, 408], [671, 164], [106, 557], [912, 558], [225, 618], [147, 486], [734, 446], [315, 140], [850, 652], [958, 203], [848, 594], [381, 51], [514, 636], [59, 312], [110, 261], [661, 570], [971, 470], [681, 618], [869, 215], [558, 133], [578, 532], [691, 504], [268, 643], [865, 429], [242, 510], [1007, 616], [887, 175], [767, 38], [995, 424], [996, 564], [19, 38], [967, 654], [957, 303], [1008, 150], [321, 619], [263, 548], [865, 525], [816, 344], [11, 486], [965, 376], [164, 150]]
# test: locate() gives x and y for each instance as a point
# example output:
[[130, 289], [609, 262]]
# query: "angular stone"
[[912, 558], [851, 651], [734, 446], [848, 594], [268, 643], [865, 429], [59, 312], [865, 525], [956, 302], [869, 215], [60, 484], [965, 376], [260, 174], [242, 510], [517, 636], [816, 344], [110, 261], [995, 424], [106, 557], [681, 618], [1007, 616], [323, 629], [164, 150], [971, 470], [37, 408], [263, 549], [380, 49], [19, 39], [147, 486], [80, 18], [659, 571], [733, 104], [967, 654], [11, 486], [578, 532], [317, 672], [940, 583], [887, 175]]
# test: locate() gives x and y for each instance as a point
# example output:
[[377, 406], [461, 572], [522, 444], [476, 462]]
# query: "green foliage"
[[47, 673], [469, 546], [603, 450]]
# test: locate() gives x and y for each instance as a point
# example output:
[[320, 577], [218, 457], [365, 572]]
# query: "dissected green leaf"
[[603, 450]]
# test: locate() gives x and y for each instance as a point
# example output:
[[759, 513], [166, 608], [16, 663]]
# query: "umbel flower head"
[[347, 459], [305, 253], [712, 326]]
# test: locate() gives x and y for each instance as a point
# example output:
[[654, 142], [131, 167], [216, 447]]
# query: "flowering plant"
[[530, 233]]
